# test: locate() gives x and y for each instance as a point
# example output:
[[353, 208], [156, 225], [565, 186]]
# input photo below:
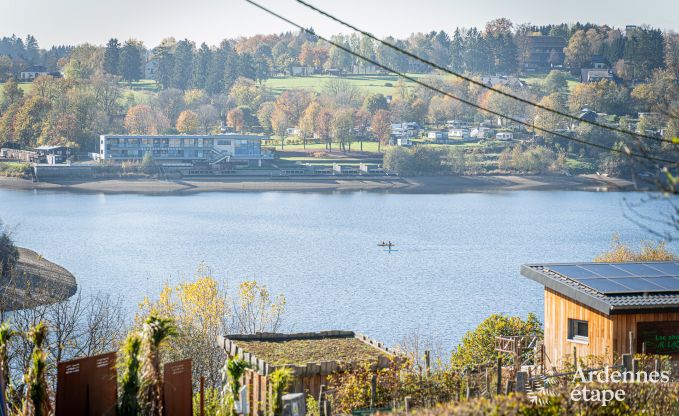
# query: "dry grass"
[[301, 352]]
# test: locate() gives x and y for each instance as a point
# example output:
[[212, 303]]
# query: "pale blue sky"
[[95, 21]]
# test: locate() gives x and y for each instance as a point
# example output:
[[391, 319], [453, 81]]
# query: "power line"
[[624, 151], [478, 83]]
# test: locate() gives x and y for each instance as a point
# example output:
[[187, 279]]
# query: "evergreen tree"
[[457, 51], [130, 62], [112, 57], [183, 65], [165, 58], [214, 82], [201, 65]]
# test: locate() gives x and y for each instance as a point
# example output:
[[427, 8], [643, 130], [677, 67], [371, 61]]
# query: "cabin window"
[[578, 330]]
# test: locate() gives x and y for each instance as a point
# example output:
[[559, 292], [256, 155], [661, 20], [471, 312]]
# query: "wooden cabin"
[[608, 309], [311, 356]]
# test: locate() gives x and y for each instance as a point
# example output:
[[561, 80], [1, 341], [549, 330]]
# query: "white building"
[[504, 135], [32, 72]]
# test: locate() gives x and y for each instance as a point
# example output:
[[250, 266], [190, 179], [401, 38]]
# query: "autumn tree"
[[308, 121], [188, 122], [11, 93], [381, 128], [343, 128], [323, 127], [578, 52], [28, 120], [235, 119], [207, 117], [141, 119], [280, 124], [264, 114], [293, 103]]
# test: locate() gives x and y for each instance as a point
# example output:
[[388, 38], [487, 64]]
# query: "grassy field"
[[540, 78], [372, 83]]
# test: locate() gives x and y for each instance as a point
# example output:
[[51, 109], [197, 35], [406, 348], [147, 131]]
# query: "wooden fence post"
[[499, 374], [427, 361], [202, 396], [575, 357], [321, 399], [373, 390]]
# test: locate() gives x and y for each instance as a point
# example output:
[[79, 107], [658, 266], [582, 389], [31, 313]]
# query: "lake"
[[458, 255]]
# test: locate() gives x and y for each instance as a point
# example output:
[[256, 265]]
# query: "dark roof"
[[35, 68], [613, 287]]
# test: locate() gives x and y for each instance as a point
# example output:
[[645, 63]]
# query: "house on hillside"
[[504, 81], [311, 356], [32, 72], [608, 309], [543, 51], [596, 75]]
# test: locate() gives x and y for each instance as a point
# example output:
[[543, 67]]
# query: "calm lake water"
[[458, 255]]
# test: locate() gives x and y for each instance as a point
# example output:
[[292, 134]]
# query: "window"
[[224, 142], [578, 330]]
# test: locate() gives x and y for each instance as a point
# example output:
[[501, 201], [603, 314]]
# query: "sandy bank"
[[423, 185]]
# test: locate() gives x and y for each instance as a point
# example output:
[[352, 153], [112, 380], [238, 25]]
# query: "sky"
[[55, 22]]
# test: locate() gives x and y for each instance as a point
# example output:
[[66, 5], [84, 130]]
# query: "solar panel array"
[[619, 278]]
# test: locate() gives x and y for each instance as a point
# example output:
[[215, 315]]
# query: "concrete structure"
[[608, 309], [212, 149]]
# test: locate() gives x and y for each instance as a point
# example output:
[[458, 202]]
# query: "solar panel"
[[574, 272], [621, 278], [607, 270]]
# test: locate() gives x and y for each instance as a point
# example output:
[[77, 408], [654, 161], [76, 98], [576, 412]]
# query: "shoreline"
[[412, 185]]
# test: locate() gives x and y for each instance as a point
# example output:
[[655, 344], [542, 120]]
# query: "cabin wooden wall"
[[624, 323], [558, 309]]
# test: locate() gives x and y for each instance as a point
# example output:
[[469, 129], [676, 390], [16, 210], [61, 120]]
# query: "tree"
[[556, 81], [280, 124], [28, 120], [374, 102], [183, 65], [235, 119], [9, 254], [5, 67], [478, 346], [188, 122], [11, 93], [37, 401], [293, 103], [280, 382], [323, 127], [130, 61], [201, 65], [264, 114], [112, 57], [578, 52], [381, 127], [156, 331], [141, 119], [129, 381], [207, 117], [343, 128], [308, 121]]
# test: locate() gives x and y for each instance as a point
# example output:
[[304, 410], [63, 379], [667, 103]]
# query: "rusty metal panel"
[[177, 389], [87, 386]]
